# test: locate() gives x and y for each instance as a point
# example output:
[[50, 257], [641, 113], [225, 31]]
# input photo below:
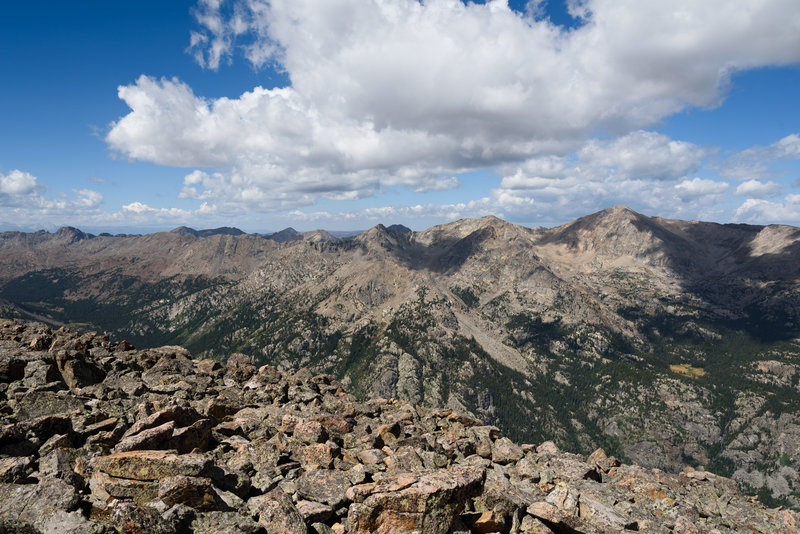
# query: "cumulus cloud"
[[406, 93], [764, 211], [645, 170], [699, 188], [24, 202], [756, 189], [17, 183], [755, 163]]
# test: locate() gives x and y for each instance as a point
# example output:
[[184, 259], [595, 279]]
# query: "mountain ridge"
[[588, 331]]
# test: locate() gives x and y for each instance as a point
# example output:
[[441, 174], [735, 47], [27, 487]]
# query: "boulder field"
[[97, 437]]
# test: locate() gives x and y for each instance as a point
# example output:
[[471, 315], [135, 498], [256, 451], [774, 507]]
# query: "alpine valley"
[[667, 343]]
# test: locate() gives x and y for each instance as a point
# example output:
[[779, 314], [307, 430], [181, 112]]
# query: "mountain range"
[[668, 343]]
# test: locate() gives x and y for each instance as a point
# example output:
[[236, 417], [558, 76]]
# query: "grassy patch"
[[687, 370]]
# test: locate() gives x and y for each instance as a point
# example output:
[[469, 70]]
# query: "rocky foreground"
[[96, 437]]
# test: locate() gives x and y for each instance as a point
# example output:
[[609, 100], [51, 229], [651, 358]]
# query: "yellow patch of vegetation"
[[687, 370]]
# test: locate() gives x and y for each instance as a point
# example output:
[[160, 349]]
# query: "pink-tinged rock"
[[309, 432], [152, 465], [425, 502], [152, 438], [505, 451], [277, 513], [327, 486], [319, 456]]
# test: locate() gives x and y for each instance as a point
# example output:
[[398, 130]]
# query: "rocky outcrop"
[[156, 442]]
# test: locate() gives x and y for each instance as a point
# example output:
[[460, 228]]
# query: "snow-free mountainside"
[[669, 344]]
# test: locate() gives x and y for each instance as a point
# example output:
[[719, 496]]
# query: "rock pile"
[[96, 437]]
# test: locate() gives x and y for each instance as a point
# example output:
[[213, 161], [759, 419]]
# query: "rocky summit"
[[96, 437]]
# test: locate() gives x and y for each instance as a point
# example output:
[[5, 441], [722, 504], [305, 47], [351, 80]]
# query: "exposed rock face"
[[295, 453]]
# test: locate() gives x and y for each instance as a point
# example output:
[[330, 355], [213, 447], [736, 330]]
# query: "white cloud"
[[756, 189], [17, 183], [404, 93], [643, 154], [699, 188], [645, 170], [754, 163], [437, 184], [24, 202], [766, 212]]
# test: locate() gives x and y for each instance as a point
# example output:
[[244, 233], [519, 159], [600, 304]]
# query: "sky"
[[145, 115]]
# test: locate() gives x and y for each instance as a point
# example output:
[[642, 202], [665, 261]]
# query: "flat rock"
[[325, 486], [426, 502], [152, 465]]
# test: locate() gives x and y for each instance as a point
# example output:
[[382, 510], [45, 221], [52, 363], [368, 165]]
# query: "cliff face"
[[668, 343], [98, 437]]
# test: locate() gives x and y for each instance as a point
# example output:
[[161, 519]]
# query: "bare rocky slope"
[[96, 437], [668, 343]]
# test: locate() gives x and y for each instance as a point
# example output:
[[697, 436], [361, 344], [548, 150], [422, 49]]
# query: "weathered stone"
[[133, 519], [152, 438], [14, 469], [505, 451], [39, 373], [319, 456], [327, 486], [261, 456], [277, 513], [224, 523], [489, 521], [181, 415], [44, 403], [194, 492], [105, 488], [532, 525], [309, 432], [371, 456], [56, 441], [424, 502], [396, 454], [193, 437], [60, 463], [313, 511], [76, 371], [152, 465], [35, 504]]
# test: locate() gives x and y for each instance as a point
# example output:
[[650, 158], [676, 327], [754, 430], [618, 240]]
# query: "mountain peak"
[[287, 234], [71, 234], [399, 228]]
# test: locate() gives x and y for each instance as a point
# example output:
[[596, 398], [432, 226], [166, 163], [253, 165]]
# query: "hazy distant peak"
[[287, 234], [399, 228], [224, 230], [71, 234], [318, 236], [184, 230]]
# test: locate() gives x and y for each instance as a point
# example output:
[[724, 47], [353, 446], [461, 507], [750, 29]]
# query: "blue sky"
[[143, 115]]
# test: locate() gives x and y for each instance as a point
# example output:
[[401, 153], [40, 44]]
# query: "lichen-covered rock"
[[277, 513], [152, 465], [424, 502], [325, 486]]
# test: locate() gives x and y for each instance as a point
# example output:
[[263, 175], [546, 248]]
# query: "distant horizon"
[[342, 233], [275, 113]]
